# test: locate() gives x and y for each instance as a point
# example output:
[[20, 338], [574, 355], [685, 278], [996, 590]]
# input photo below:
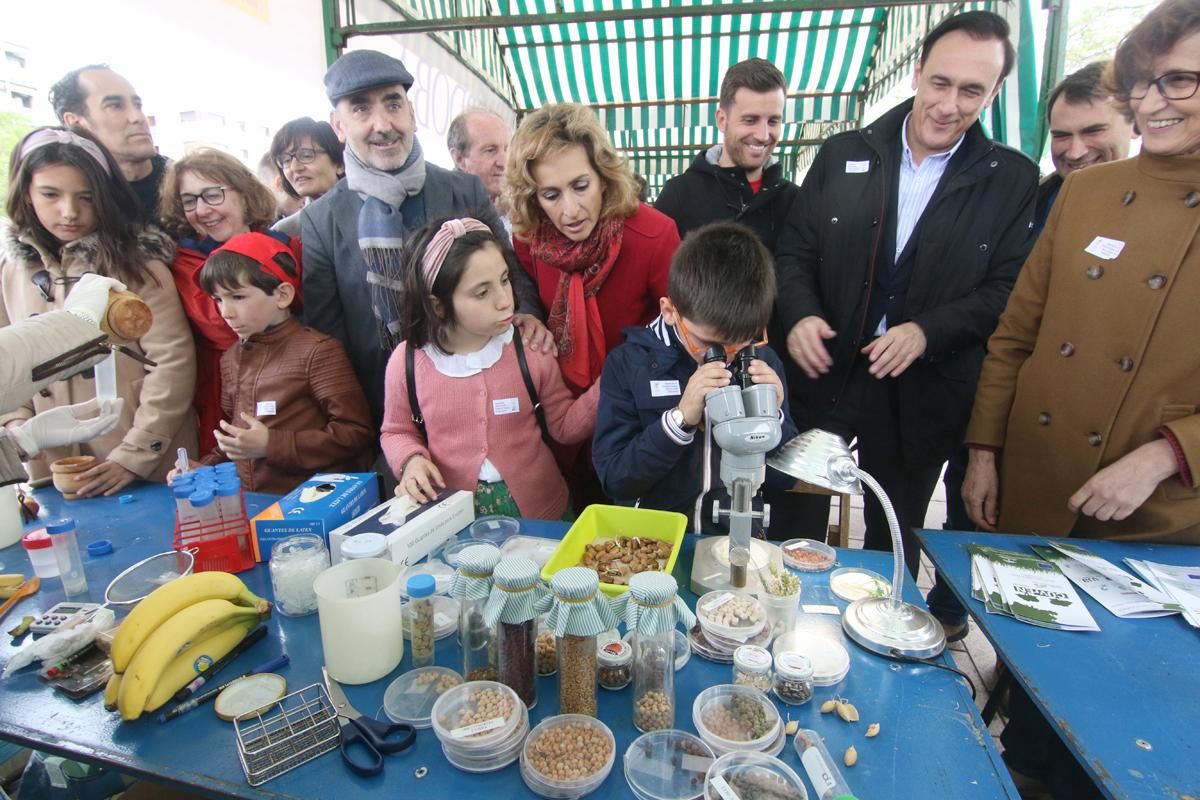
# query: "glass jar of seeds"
[[752, 667], [793, 682]]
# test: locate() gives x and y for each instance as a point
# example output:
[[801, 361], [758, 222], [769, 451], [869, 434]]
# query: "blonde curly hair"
[[548, 131], [224, 169]]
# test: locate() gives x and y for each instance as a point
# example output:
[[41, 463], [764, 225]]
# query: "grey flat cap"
[[364, 69]]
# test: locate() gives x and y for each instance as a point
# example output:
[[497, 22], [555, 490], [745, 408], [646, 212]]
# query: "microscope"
[[743, 420]]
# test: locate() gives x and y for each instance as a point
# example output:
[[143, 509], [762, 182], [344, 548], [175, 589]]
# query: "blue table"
[[1124, 700], [932, 741]]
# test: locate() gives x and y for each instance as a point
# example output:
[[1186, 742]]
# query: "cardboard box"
[[413, 531], [319, 505]]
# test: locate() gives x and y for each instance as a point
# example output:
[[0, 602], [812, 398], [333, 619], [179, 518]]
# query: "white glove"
[[89, 298], [67, 425]]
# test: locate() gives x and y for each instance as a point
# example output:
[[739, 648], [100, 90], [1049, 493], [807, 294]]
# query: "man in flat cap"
[[353, 234]]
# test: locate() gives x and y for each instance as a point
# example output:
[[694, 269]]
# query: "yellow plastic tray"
[[609, 522]]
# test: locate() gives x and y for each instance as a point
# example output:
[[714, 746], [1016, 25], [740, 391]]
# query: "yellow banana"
[[110, 692], [183, 669], [168, 600], [9, 584], [197, 621]]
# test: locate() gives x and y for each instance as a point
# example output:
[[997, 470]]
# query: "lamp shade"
[[820, 458]]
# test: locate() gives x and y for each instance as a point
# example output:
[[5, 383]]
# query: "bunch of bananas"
[[9, 583], [156, 650]]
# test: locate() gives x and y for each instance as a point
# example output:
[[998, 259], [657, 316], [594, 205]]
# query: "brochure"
[[1181, 584], [1033, 590], [1114, 588]]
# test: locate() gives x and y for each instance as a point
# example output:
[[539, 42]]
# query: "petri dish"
[[535, 548], [667, 765], [753, 774], [440, 570], [494, 529], [856, 583], [410, 697], [808, 555], [830, 658], [452, 549], [445, 617]]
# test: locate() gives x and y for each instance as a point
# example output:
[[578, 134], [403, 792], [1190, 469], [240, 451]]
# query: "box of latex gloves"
[[319, 505], [412, 531]]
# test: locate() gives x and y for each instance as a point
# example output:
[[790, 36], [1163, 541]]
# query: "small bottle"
[[793, 682], [229, 504], [614, 667], [420, 618], [207, 514], [40, 549], [577, 674], [186, 516], [752, 667], [471, 585], [822, 770], [66, 554], [654, 680]]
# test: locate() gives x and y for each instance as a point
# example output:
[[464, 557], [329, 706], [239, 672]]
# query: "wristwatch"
[[677, 418]]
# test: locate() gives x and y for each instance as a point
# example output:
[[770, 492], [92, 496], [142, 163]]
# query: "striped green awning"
[[652, 69]]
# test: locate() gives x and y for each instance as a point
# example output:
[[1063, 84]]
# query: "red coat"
[[639, 277], [212, 336]]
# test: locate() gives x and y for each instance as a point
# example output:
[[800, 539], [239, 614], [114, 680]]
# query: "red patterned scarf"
[[575, 316]]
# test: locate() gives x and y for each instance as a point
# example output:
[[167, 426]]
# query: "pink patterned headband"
[[56, 135], [442, 241]]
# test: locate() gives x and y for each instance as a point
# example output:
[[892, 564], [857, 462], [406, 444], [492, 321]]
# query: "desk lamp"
[[887, 626]]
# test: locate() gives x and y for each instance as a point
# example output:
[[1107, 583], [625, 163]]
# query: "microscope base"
[[710, 564]]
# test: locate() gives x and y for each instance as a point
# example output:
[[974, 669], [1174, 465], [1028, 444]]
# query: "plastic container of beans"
[[808, 555], [491, 761], [477, 718], [730, 717], [555, 765], [731, 616], [752, 775]]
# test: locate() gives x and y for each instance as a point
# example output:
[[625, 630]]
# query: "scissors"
[[363, 733]]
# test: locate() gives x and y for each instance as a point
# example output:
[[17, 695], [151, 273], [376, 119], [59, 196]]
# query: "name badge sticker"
[[264, 408], [665, 389], [509, 405], [853, 167], [1107, 249]]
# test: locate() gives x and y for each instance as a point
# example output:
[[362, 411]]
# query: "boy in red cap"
[[295, 404]]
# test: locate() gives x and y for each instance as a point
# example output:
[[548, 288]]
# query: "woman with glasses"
[[207, 198], [72, 212], [308, 156], [1085, 421]]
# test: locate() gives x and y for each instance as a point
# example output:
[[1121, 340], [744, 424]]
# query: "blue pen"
[[268, 666]]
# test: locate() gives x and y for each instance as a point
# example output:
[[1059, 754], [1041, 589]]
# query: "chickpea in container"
[[578, 612]]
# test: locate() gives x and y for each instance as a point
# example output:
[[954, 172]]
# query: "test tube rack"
[[217, 546]]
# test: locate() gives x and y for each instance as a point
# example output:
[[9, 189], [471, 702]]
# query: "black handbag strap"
[[529, 387], [410, 375]]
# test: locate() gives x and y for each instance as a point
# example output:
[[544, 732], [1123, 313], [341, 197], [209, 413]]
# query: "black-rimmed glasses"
[[212, 196], [305, 155], [1176, 85]]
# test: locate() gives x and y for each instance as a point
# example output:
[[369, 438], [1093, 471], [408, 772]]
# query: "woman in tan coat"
[[1089, 395], [71, 213]]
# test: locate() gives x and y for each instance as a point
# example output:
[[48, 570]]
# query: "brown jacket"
[[1094, 356], [158, 417], [320, 419]]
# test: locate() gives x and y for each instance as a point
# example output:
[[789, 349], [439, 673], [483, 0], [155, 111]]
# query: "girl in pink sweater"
[[477, 429]]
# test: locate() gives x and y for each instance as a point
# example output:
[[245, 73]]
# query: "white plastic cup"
[[358, 603], [10, 516]]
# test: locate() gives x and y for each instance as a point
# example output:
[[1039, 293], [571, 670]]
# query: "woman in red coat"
[[598, 256], [207, 198]]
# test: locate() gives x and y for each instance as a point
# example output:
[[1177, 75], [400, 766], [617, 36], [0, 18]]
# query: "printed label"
[[724, 789], [695, 763], [817, 609], [508, 405], [718, 601], [264, 408], [361, 587], [477, 728], [1107, 249], [818, 771], [853, 167], [665, 389]]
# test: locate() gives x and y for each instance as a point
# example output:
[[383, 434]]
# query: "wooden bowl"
[[68, 473]]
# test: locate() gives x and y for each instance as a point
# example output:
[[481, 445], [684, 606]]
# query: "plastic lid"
[[410, 697], [667, 765], [60, 525], [125, 499], [37, 540], [204, 470], [225, 466], [742, 774], [613, 654], [228, 489], [183, 478], [200, 497], [808, 555], [793, 666], [751, 658], [421, 585], [364, 545], [829, 657], [494, 529], [441, 573], [101, 547], [182, 491], [855, 583]]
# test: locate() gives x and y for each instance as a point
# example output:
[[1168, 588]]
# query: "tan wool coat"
[[157, 417], [1096, 352]]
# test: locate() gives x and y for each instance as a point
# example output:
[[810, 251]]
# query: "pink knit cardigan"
[[464, 426]]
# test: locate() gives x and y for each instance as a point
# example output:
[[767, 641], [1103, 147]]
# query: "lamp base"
[[890, 628]]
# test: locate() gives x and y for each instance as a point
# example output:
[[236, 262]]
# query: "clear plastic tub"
[[410, 697], [494, 529], [445, 617], [731, 615], [730, 717], [667, 765], [808, 555], [440, 570], [751, 775], [492, 760], [554, 743], [537, 549], [855, 583], [477, 717], [772, 749]]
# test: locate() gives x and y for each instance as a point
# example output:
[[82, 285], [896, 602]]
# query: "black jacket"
[[967, 249], [708, 193]]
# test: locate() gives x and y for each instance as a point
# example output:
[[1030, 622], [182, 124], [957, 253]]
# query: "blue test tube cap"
[[182, 478], [60, 526], [421, 586], [225, 467], [201, 498], [225, 489], [183, 492], [125, 499], [101, 547]]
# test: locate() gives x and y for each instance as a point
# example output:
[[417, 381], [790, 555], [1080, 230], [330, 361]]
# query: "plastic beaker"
[[358, 603]]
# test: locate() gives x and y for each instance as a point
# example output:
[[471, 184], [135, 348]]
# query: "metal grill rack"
[[295, 729]]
